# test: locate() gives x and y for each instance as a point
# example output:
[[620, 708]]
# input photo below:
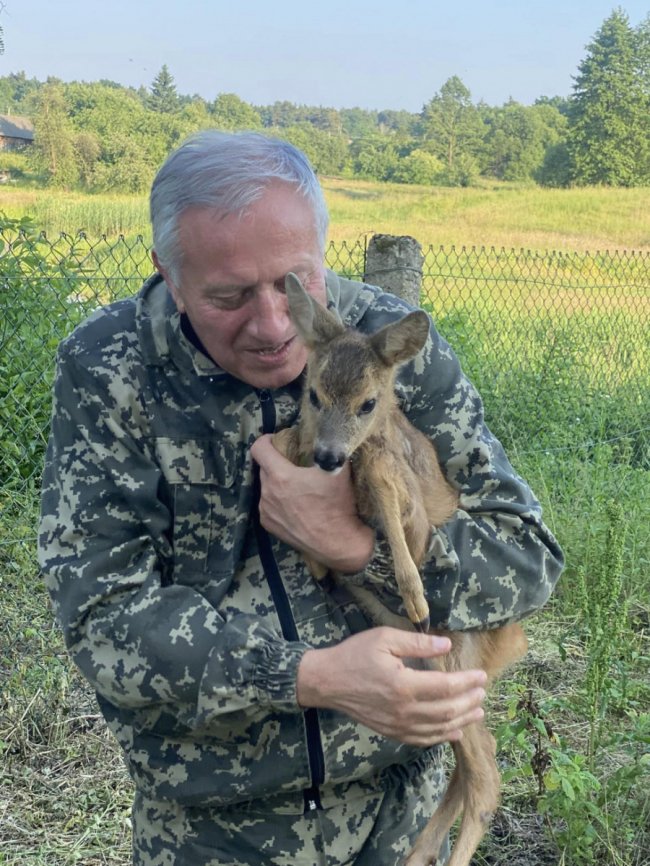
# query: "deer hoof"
[[417, 611], [423, 625]]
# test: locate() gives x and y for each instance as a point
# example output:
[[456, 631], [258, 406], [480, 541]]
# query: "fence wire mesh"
[[557, 343]]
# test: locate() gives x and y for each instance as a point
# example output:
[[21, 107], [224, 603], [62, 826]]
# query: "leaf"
[[567, 788]]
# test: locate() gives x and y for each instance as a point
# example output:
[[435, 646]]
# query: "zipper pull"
[[312, 800], [267, 405]]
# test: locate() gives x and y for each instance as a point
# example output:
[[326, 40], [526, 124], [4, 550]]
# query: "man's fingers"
[[442, 686], [448, 732], [262, 450]]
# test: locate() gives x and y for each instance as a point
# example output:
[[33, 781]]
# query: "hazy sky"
[[341, 53]]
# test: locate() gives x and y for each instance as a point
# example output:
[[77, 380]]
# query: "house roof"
[[14, 126]]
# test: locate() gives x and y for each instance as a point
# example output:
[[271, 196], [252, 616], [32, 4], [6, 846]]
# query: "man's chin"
[[275, 376]]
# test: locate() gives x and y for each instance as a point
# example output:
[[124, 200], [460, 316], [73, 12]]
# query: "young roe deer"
[[349, 412]]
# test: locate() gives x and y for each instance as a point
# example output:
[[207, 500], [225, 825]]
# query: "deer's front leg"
[[389, 507], [287, 442]]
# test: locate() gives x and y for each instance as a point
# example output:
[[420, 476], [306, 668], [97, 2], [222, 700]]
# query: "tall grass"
[[500, 215], [54, 211], [562, 359]]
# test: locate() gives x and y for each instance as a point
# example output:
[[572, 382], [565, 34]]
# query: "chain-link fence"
[[558, 344]]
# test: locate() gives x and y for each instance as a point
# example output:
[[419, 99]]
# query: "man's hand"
[[365, 677], [312, 510]]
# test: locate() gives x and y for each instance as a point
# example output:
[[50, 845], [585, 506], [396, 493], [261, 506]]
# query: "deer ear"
[[313, 322], [402, 340]]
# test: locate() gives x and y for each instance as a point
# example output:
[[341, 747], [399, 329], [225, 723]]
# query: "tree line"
[[102, 136]]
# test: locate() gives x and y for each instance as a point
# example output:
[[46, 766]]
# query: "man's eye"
[[230, 302], [313, 399], [367, 407]]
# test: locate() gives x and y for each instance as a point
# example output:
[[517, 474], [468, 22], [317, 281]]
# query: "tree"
[[18, 93], [518, 137], [230, 112], [559, 102], [358, 122], [453, 130], [401, 123], [280, 114], [326, 152], [419, 167], [87, 151], [642, 36], [163, 98], [54, 137], [374, 157], [610, 109]]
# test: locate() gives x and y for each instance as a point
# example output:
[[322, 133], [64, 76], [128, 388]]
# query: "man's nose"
[[269, 314]]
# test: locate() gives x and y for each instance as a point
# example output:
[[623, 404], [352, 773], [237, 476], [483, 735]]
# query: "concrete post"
[[395, 264]]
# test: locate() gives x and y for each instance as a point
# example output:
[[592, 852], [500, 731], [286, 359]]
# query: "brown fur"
[[349, 411]]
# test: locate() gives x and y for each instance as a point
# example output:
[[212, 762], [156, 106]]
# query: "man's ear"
[[171, 285]]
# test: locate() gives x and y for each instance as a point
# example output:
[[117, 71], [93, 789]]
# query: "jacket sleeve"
[[102, 547], [494, 561]]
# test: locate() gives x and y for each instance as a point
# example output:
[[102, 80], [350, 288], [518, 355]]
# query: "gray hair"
[[227, 172]]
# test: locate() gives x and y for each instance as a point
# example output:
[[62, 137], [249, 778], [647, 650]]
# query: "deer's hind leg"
[[429, 842], [474, 790]]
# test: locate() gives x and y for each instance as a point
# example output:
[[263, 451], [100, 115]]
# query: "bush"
[[35, 286]]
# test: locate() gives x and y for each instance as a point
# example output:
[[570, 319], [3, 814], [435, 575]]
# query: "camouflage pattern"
[[150, 557], [363, 823]]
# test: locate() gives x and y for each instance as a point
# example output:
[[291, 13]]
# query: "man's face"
[[231, 283]]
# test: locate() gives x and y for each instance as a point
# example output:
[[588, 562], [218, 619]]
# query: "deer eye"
[[313, 399], [367, 407]]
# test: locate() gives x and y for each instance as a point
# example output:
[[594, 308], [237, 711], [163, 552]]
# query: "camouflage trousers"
[[370, 823]]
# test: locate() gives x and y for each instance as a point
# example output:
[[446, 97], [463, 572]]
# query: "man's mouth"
[[274, 351]]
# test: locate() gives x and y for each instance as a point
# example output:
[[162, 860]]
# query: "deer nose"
[[329, 461]]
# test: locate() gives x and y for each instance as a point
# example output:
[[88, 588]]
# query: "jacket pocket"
[[203, 479]]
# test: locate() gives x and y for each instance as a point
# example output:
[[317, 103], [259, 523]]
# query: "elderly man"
[[262, 721]]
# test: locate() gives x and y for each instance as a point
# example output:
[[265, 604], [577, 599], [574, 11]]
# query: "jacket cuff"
[[275, 675]]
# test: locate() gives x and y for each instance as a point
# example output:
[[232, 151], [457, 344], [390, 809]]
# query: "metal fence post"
[[395, 264]]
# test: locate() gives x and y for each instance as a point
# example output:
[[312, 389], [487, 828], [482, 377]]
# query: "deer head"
[[348, 391]]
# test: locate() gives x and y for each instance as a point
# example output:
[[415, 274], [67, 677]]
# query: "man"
[[261, 720]]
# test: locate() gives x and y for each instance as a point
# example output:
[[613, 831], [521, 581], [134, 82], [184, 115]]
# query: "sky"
[[340, 54]]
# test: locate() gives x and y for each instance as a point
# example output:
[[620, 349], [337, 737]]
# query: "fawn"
[[349, 412]]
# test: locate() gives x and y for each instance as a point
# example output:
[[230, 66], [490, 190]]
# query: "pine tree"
[[163, 98], [609, 110]]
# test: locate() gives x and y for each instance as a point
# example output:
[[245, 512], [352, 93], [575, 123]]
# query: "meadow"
[[498, 214], [559, 346]]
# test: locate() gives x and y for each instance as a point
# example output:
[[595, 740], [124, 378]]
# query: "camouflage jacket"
[[188, 620]]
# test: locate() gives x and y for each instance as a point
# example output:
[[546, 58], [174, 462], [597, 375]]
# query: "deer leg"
[[474, 790], [481, 790], [287, 443], [430, 840], [406, 571]]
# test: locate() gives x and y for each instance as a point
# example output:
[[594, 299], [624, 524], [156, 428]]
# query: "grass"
[[499, 214], [64, 791], [65, 796], [560, 348]]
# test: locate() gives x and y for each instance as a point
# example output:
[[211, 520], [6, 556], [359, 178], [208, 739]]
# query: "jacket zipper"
[[287, 622]]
